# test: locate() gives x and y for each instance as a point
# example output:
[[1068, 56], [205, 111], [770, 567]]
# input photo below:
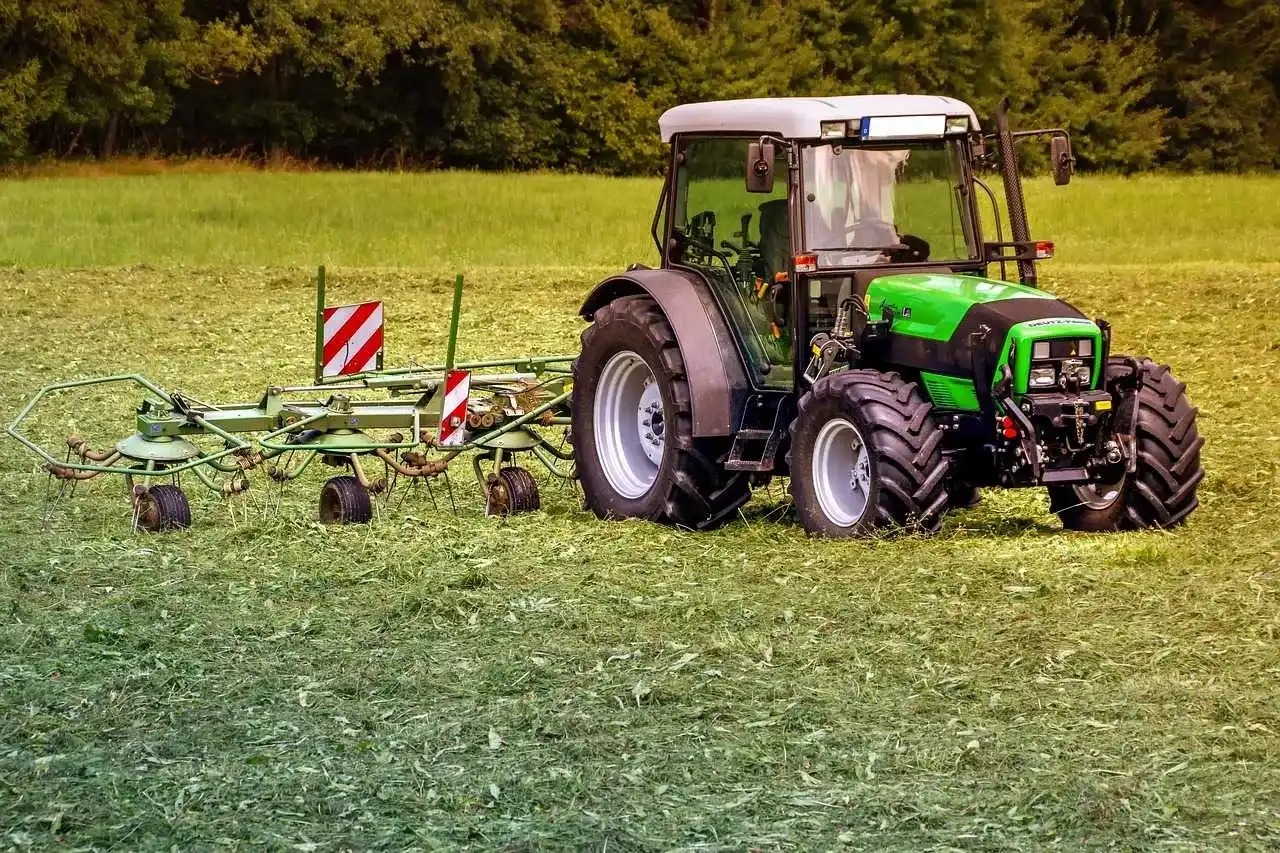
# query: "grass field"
[[555, 682]]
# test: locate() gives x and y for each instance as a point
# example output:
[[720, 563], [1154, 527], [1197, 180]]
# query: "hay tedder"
[[380, 425]]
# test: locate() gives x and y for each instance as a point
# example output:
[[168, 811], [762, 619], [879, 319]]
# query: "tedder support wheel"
[[161, 509], [866, 455], [633, 425], [344, 501], [1162, 491], [512, 490]]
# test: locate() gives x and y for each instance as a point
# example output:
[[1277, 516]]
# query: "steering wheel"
[[914, 250]]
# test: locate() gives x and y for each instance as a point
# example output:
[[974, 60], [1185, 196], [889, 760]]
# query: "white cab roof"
[[799, 118]]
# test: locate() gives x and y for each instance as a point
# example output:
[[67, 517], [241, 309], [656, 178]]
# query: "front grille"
[[1065, 348]]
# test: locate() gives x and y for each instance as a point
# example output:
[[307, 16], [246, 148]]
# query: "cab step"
[[764, 441]]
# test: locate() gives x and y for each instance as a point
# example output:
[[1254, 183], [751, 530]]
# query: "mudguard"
[[717, 377]]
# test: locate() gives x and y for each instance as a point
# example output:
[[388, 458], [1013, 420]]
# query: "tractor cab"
[[790, 207]]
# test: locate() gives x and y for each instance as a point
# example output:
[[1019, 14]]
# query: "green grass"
[[555, 682], [445, 220]]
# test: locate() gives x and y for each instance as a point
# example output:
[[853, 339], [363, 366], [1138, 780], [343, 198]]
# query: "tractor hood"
[[932, 305], [938, 320]]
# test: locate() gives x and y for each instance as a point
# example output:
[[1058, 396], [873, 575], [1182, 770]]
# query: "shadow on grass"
[[773, 505]]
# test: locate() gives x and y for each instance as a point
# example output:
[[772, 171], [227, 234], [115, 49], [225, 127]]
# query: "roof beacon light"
[[834, 129], [1044, 250], [902, 127]]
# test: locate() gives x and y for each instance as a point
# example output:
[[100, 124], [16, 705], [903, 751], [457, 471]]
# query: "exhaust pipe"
[[1020, 229]]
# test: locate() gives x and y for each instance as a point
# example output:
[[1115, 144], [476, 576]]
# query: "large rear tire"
[[866, 455], [1162, 491], [633, 425]]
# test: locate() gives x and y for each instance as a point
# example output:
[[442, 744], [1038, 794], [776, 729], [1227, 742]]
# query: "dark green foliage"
[[529, 84]]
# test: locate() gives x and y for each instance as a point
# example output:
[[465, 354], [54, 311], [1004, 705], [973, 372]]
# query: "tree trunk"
[[109, 136]]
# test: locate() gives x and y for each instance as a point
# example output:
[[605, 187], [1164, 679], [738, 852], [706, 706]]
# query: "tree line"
[[579, 84]]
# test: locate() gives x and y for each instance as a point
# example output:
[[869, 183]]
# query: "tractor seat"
[[775, 252]]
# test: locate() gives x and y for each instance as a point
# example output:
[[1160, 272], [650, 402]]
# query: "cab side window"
[[738, 239], [720, 225]]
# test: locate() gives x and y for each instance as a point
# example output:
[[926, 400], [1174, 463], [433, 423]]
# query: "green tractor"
[[823, 310]]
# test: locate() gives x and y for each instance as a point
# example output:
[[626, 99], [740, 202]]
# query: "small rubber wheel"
[[510, 491], [162, 508], [344, 501]]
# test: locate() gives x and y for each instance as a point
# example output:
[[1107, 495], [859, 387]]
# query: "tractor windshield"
[[880, 205]]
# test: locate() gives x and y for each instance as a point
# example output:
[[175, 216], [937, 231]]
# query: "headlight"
[[1044, 377], [1082, 375], [1040, 350]]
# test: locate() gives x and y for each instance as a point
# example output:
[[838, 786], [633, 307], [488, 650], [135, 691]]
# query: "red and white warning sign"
[[453, 414], [352, 338]]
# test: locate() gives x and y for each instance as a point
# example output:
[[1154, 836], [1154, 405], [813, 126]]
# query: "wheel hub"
[[629, 424], [1100, 495], [842, 472], [652, 425]]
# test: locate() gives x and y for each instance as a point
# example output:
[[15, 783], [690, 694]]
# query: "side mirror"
[[1064, 164], [760, 167]]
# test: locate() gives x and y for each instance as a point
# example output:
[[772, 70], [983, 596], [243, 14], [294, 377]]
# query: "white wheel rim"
[[630, 425], [1099, 495], [841, 473]]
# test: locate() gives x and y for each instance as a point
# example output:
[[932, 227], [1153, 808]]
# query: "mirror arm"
[[657, 216], [1021, 134], [995, 209]]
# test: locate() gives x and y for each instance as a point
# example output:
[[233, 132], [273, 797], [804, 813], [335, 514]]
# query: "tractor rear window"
[[884, 205]]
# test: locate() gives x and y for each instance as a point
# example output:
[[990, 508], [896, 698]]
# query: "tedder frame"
[[505, 406]]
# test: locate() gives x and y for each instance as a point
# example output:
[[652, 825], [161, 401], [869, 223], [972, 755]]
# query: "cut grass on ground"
[[556, 682]]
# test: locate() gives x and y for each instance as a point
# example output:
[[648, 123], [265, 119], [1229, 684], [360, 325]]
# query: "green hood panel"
[[931, 305]]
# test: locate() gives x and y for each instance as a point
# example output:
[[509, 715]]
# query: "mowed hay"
[[435, 681]]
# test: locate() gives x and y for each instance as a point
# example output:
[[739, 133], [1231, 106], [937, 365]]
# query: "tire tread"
[[700, 493]]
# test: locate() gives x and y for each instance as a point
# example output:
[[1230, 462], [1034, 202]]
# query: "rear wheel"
[[866, 455], [633, 425], [1162, 491]]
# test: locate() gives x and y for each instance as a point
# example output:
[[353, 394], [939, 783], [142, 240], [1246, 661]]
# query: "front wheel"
[[1162, 491], [633, 425], [867, 455]]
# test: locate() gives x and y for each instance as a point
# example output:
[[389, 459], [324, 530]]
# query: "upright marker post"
[[457, 383], [319, 324], [453, 324]]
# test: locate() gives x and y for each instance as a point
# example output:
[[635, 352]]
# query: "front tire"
[[633, 425], [866, 455], [1162, 491]]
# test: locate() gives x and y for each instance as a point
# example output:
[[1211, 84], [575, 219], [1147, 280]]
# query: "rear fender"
[[717, 378]]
